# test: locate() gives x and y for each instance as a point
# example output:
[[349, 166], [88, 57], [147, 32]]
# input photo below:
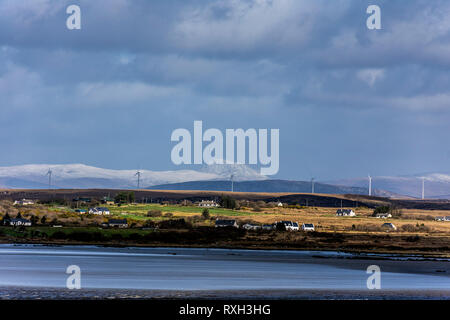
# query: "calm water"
[[210, 269]]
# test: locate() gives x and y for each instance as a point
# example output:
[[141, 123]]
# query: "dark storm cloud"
[[148, 67]]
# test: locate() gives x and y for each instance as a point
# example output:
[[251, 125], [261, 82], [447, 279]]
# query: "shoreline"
[[377, 254], [359, 255], [38, 293]]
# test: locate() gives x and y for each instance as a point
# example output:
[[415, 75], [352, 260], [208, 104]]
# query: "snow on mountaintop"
[[84, 176]]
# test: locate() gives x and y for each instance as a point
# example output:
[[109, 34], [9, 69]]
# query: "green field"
[[140, 210]]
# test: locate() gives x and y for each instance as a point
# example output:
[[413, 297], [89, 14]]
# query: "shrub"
[[257, 209], [116, 236], [280, 227], [174, 224], [154, 213], [168, 215], [416, 228], [205, 214], [413, 238], [59, 235]]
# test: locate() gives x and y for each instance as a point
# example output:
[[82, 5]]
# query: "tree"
[[227, 202], [381, 209], [33, 220], [280, 227], [205, 214], [124, 197], [19, 216], [6, 218], [43, 220]]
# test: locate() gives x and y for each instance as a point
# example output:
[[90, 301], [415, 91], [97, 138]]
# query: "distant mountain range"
[[78, 176], [213, 177], [269, 186], [437, 185]]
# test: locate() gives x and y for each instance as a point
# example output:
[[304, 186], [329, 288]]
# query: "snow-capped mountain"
[[83, 176], [437, 185]]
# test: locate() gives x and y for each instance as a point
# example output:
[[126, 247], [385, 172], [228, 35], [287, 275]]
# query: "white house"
[[268, 227], [23, 202], [208, 204], [289, 225], [439, 218], [222, 223], [116, 223], [20, 222], [308, 227], [279, 204], [383, 215], [389, 226], [99, 211], [447, 218], [345, 213], [251, 226]]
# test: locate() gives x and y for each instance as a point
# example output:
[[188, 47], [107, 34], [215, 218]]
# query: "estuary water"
[[41, 266]]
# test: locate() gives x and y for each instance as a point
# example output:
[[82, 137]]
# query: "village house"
[[289, 225], [116, 223], [99, 211], [208, 204], [389, 226], [81, 211], [23, 202], [268, 227], [16, 222], [108, 201], [308, 227], [251, 226], [439, 218], [345, 213], [221, 223], [279, 204], [383, 215]]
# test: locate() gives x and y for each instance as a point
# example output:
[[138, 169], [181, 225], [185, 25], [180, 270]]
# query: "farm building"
[[383, 215], [389, 226], [208, 204], [308, 227], [23, 202], [345, 213], [116, 223], [16, 222], [220, 223], [99, 211]]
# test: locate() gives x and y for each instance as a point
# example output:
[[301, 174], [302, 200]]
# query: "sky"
[[347, 100]]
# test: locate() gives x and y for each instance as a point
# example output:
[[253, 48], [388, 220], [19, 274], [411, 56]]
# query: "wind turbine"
[[370, 185], [423, 188], [232, 182], [312, 185], [49, 174], [138, 174]]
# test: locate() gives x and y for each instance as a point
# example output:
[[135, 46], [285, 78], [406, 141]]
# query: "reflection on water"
[[209, 269]]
